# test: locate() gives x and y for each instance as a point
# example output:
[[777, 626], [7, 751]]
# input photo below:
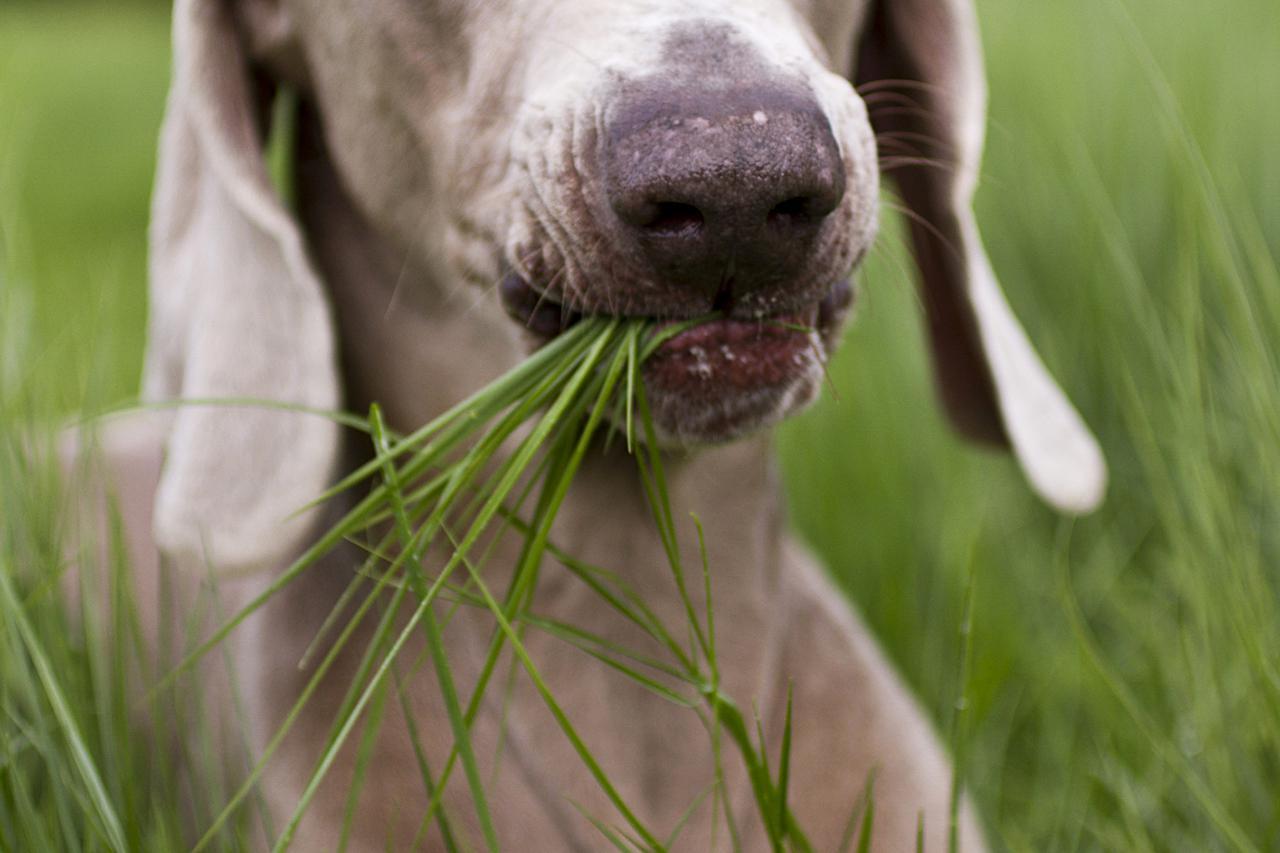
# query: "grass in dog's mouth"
[[503, 460], [545, 317]]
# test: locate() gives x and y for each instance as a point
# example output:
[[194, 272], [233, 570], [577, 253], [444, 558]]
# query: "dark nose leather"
[[721, 191]]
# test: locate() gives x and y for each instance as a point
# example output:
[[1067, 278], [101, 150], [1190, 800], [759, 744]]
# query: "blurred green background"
[[1123, 687]]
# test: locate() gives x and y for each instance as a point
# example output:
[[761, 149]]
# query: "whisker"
[[900, 83], [905, 148], [910, 136], [912, 215], [394, 300], [892, 163], [917, 113]]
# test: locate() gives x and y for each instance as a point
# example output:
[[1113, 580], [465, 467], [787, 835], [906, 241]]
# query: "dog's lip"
[[544, 317], [538, 313], [723, 376], [818, 317], [736, 355]]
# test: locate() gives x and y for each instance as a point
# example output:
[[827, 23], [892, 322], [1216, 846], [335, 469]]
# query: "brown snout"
[[721, 191]]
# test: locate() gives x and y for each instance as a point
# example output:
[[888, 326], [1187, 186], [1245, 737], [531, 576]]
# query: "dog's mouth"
[[722, 377]]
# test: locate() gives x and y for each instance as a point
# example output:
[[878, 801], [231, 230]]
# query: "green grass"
[[1122, 685]]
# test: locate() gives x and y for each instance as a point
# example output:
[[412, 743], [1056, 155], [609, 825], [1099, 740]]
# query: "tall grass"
[[1121, 689]]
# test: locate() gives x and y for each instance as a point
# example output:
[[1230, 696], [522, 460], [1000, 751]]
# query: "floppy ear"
[[920, 71], [237, 311]]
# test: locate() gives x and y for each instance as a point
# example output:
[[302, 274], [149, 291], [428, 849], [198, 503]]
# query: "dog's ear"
[[919, 68], [237, 311]]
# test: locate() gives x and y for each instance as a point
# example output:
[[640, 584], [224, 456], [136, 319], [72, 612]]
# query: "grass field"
[[1123, 681]]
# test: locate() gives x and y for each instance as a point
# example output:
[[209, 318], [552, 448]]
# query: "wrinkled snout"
[[721, 191], [707, 168]]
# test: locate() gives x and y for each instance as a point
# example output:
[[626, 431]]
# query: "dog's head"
[[659, 158]]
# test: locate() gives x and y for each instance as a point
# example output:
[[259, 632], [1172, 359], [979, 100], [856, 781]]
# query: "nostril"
[[793, 211], [672, 219]]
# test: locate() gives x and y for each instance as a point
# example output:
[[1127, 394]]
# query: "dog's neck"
[[417, 348]]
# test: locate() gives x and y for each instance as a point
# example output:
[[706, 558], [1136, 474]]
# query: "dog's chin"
[[727, 378], [723, 378]]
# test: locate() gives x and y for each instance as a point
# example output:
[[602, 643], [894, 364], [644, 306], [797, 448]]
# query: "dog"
[[469, 178]]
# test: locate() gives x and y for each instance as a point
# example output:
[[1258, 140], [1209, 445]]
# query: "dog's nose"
[[722, 192]]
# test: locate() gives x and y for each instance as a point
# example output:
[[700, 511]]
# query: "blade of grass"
[[784, 768], [865, 806], [424, 767], [586, 641], [687, 814], [610, 835], [101, 810], [959, 752], [435, 640], [364, 755], [561, 718]]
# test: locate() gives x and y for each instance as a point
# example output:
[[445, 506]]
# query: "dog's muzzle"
[[723, 200]]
